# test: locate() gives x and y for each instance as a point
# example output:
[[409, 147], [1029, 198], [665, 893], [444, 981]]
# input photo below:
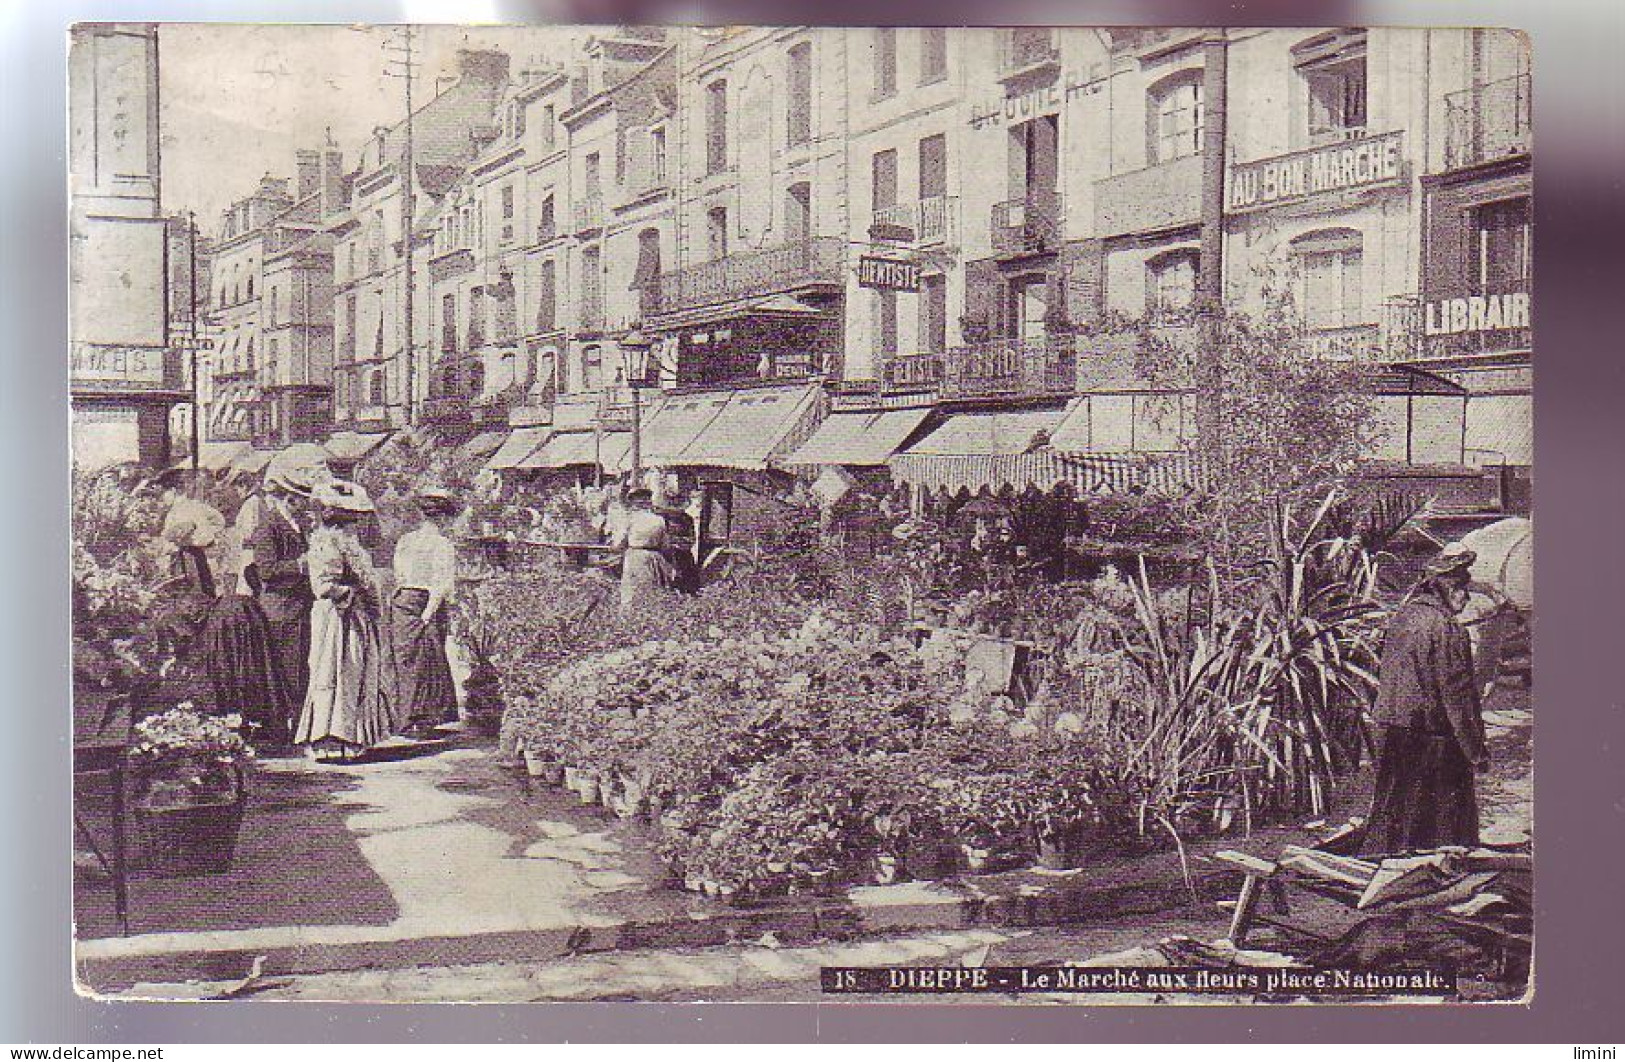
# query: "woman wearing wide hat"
[[425, 577], [644, 568], [348, 705]]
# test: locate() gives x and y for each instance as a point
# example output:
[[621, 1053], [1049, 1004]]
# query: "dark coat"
[[1427, 681]]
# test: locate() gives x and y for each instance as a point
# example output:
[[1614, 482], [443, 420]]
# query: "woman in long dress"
[[644, 568], [348, 707], [425, 578]]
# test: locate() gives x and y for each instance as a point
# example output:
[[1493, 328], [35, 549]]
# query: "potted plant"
[[190, 791]]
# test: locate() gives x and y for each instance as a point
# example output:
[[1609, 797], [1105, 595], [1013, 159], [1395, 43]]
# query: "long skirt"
[[643, 572], [239, 657], [1424, 796], [288, 613], [348, 701], [426, 692]]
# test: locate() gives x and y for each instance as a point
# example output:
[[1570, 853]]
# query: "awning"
[[1166, 475], [354, 445], [582, 448], [991, 434], [575, 415], [753, 428], [520, 444], [674, 425], [218, 455], [486, 442], [782, 307], [866, 438]]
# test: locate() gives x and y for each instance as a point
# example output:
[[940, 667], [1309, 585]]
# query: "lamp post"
[[634, 359]]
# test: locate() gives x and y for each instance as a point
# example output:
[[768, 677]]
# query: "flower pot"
[[976, 859], [587, 789], [887, 869], [537, 765], [572, 779]]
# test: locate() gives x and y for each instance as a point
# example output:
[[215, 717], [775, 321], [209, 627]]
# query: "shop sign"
[[888, 274], [1034, 103], [124, 365], [1476, 313], [1364, 163]]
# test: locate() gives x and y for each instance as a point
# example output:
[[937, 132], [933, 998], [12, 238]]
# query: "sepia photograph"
[[1025, 515]]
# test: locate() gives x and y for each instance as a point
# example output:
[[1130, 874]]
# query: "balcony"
[[817, 261], [1027, 226], [912, 372], [1488, 122], [933, 221], [589, 213], [1003, 368], [1159, 196], [1395, 337]]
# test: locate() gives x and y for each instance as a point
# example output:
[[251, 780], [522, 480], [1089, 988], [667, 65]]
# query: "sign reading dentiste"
[[1366, 163], [888, 274]]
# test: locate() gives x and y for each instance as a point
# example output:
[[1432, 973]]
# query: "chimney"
[[308, 168], [487, 66], [331, 179]]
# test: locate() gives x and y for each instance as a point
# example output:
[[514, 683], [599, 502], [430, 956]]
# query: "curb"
[[863, 912]]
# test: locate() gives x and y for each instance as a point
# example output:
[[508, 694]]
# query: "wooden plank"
[[1250, 863]]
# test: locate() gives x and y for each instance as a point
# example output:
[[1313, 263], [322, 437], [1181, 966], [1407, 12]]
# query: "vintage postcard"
[[1028, 515]]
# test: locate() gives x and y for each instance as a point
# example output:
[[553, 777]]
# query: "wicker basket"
[[191, 839]]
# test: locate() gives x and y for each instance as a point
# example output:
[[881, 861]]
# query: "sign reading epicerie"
[[1363, 163]]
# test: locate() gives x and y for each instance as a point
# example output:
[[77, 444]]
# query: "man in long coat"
[[1428, 706]]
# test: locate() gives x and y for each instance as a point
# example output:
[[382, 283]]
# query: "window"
[[549, 226], [592, 367], [885, 59], [273, 306], [506, 304], [375, 387], [350, 323], [934, 313], [798, 211], [518, 120], [448, 322], [646, 278], [1175, 117], [1029, 47], [592, 182], [933, 54], [886, 322], [1498, 255], [548, 295], [507, 202], [1029, 307], [933, 167], [1333, 70], [883, 172], [248, 355], [476, 318], [1329, 264], [1171, 281], [657, 156], [716, 127], [548, 134], [250, 286], [592, 288], [800, 102], [1034, 164], [716, 232]]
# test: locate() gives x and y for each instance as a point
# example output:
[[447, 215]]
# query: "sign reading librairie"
[[889, 274], [1366, 163]]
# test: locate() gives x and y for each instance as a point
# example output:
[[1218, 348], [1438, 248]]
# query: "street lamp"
[[635, 349]]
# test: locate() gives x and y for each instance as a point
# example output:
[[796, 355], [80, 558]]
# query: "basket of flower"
[[189, 792]]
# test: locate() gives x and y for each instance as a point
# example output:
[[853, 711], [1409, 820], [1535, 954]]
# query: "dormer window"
[[1333, 70]]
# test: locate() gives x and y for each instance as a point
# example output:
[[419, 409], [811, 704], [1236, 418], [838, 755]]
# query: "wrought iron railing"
[[1030, 224], [932, 220], [589, 213], [1019, 368], [798, 263], [1488, 122]]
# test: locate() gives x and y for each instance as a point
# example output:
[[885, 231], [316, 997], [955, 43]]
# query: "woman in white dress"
[[425, 580], [348, 707]]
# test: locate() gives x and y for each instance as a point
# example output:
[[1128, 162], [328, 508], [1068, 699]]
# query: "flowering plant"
[[183, 731]]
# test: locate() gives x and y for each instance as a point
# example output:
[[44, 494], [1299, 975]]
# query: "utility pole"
[[191, 266], [403, 64]]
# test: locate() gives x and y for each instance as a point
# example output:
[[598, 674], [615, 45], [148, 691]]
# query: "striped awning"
[[1165, 475], [581, 448]]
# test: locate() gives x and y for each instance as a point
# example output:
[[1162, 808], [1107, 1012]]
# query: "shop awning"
[[753, 428], [671, 427], [575, 415], [219, 455], [1166, 475], [520, 444], [783, 307], [1500, 430], [354, 445], [582, 448], [1005, 433], [859, 438], [481, 445]]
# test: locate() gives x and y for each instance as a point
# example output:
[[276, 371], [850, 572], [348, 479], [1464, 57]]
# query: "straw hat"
[[340, 495], [298, 469], [1455, 560]]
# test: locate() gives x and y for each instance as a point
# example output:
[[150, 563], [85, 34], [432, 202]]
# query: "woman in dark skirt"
[[1433, 734], [425, 578]]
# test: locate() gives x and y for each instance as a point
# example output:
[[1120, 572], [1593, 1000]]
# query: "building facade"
[[124, 375]]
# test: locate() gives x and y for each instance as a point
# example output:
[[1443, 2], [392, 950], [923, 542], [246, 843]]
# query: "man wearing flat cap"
[[1428, 709]]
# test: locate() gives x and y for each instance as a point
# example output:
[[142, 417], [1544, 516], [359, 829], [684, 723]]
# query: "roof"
[[859, 438], [520, 444]]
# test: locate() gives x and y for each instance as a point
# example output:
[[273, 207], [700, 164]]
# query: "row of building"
[[828, 243]]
